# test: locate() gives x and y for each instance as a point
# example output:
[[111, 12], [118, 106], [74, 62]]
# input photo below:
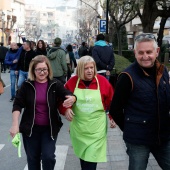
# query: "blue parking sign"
[[102, 26]]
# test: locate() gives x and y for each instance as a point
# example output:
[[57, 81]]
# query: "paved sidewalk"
[[117, 157]]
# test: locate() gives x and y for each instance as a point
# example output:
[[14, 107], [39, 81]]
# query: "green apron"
[[88, 128]]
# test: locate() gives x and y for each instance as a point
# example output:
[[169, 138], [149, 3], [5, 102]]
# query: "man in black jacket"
[[103, 55], [25, 58], [141, 105]]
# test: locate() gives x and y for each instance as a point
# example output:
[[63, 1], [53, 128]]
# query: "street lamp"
[[2, 20]]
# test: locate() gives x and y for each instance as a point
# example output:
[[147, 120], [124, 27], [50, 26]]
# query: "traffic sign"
[[102, 26]]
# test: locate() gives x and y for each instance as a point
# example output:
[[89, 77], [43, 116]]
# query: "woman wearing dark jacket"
[[40, 122], [41, 48], [71, 61]]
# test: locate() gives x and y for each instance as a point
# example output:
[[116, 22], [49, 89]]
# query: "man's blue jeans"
[[139, 155], [13, 78], [22, 77], [40, 146]]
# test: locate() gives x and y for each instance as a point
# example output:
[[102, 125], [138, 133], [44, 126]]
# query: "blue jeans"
[[40, 146], [22, 77], [13, 78], [139, 155]]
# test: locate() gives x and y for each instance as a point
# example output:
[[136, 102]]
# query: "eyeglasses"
[[39, 70], [145, 36]]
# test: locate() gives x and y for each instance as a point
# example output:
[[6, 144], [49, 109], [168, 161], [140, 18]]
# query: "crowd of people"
[[139, 103]]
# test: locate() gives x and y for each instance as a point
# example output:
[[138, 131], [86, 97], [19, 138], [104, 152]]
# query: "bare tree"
[[151, 10], [121, 12], [88, 18], [9, 26]]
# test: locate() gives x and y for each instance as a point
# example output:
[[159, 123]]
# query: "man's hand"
[[107, 73], [112, 123], [15, 61], [16, 72], [69, 101], [69, 114]]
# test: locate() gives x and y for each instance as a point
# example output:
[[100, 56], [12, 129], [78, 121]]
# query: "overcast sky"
[[52, 3]]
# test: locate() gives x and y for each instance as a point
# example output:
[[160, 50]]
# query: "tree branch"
[[91, 6]]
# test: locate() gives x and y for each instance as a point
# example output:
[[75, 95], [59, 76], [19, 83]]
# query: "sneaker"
[[12, 99]]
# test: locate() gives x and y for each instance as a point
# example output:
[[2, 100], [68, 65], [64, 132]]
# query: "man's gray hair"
[[146, 40]]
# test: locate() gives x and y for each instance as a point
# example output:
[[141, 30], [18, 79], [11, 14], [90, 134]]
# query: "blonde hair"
[[33, 64], [91, 44], [81, 64]]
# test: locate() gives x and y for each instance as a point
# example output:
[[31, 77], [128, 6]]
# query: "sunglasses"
[[145, 36]]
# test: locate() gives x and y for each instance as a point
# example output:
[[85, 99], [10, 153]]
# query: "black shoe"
[[12, 99]]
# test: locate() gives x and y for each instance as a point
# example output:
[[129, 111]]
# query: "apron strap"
[[98, 87]]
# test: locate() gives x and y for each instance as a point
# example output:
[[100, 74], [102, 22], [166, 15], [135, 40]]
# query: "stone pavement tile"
[[72, 162], [70, 151], [153, 162], [149, 168], [156, 168], [120, 157], [102, 165], [116, 147], [119, 165]]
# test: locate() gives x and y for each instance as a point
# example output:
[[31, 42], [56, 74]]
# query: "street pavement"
[[65, 158]]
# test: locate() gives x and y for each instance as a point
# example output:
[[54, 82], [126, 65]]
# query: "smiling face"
[[89, 71], [41, 72], [146, 54]]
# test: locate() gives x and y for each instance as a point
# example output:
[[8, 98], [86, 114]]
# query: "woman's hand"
[[112, 123], [69, 101], [69, 114], [14, 130]]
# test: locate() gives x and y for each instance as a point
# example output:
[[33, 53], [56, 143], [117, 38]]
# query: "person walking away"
[[88, 127], [83, 50], [40, 122], [71, 61], [103, 56], [25, 58], [57, 57], [3, 51], [141, 105]]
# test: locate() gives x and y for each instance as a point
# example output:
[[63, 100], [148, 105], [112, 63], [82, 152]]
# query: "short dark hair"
[[19, 45], [69, 47], [2, 44], [83, 43], [28, 42], [100, 37]]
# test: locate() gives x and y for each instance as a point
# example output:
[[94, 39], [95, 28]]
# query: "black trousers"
[[88, 165]]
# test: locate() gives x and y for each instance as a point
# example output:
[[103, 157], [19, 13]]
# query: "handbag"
[[2, 85]]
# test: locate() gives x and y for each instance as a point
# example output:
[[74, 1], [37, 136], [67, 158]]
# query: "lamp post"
[[107, 13], [2, 20]]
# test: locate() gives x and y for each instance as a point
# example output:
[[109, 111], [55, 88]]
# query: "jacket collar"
[[159, 71]]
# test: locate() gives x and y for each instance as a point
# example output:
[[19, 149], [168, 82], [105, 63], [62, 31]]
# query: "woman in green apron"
[[88, 127]]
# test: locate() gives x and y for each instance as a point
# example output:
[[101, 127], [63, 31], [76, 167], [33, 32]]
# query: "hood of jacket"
[[100, 43]]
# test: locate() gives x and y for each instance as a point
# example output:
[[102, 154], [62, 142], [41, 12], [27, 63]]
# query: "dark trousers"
[[40, 146], [139, 155], [88, 165], [3, 66]]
